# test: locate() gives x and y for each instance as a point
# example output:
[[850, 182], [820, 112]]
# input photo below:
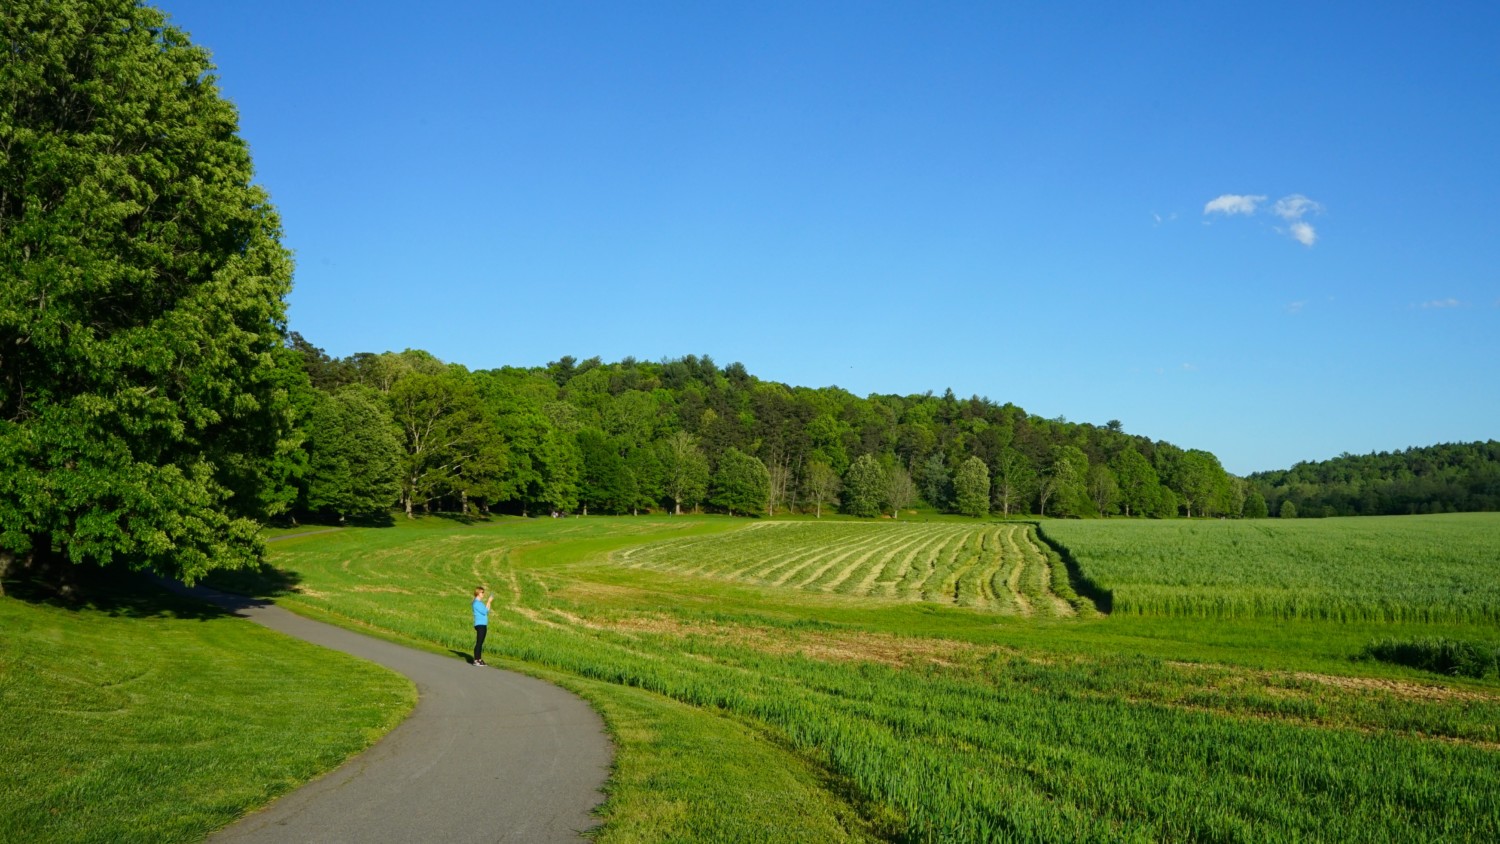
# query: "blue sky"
[[1266, 230]]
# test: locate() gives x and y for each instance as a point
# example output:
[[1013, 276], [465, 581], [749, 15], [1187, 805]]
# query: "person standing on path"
[[481, 622]]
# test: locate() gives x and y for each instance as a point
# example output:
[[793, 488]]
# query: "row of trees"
[[685, 434], [1448, 478]]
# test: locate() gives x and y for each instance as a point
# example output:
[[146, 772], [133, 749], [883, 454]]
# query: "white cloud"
[[1441, 303], [1294, 207], [1188, 367], [1231, 203], [1296, 307]]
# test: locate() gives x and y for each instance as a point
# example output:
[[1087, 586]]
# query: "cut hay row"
[[998, 568]]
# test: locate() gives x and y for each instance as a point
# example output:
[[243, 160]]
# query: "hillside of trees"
[[687, 435], [1449, 478]]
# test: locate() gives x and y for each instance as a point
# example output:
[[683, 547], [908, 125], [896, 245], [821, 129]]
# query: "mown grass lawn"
[[145, 717], [748, 711]]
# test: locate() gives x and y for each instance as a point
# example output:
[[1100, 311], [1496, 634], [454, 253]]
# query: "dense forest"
[[686, 434], [1448, 478]]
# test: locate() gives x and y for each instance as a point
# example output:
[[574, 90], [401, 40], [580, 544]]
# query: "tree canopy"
[[145, 391], [1446, 478], [684, 434]]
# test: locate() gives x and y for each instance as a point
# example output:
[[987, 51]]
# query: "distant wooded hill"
[[1460, 477], [589, 436]]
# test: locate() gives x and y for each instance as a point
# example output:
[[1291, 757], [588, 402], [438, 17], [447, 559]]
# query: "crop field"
[[744, 710], [1002, 568], [1391, 568]]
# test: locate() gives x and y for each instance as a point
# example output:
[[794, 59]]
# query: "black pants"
[[479, 631]]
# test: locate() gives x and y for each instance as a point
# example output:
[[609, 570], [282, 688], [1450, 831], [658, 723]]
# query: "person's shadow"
[[468, 657]]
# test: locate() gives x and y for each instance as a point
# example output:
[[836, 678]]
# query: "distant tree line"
[[687, 435], [1450, 478]]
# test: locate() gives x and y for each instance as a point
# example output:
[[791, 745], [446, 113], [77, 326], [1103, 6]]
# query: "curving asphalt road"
[[486, 756]]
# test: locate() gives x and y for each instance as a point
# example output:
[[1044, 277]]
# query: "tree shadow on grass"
[[113, 591], [260, 581], [383, 518], [1103, 599], [462, 518]]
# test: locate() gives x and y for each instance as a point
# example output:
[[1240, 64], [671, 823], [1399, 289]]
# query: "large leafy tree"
[[1139, 488], [821, 486], [1200, 482], [1013, 481], [935, 482], [684, 471], [605, 484], [900, 491], [1067, 480], [447, 435], [864, 487], [742, 484], [971, 488], [144, 414], [354, 454]]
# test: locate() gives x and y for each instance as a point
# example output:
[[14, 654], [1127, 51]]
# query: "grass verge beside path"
[[686, 774], [155, 718]]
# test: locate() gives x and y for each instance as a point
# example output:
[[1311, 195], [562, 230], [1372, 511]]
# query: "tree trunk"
[[406, 501], [463, 498], [42, 566]]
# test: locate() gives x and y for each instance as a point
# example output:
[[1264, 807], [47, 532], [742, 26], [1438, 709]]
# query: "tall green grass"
[[1393, 568], [1439, 655], [981, 728]]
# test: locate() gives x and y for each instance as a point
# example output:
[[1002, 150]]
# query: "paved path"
[[486, 756]]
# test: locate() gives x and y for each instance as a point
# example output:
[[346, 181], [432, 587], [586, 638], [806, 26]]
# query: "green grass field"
[[152, 718], [1392, 568], [751, 707]]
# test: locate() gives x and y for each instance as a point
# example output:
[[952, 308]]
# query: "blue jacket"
[[481, 613]]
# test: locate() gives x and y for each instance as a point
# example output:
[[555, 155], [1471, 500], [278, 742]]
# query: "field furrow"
[[867, 574], [996, 568], [876, 583]]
